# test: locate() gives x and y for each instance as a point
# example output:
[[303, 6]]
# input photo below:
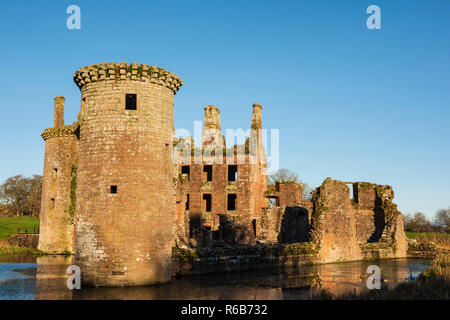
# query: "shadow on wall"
[[379, 222], [235, 230], [295, 225]]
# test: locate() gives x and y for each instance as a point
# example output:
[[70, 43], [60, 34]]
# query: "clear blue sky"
[[351, 103]]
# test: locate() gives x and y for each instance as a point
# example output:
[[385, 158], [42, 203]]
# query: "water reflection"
[[287, 283], [51, 278]]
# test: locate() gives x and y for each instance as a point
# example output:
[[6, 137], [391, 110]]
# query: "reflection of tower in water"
[[51, 278]]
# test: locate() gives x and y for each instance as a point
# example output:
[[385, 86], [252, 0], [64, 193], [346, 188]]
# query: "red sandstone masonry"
[[125, 238], [61, 152]]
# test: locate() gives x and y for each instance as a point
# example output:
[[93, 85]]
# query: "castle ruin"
[[114, 196]]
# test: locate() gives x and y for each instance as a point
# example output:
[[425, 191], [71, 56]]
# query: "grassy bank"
[[10, 225], [428, 245], [432, 284], [415, 235]]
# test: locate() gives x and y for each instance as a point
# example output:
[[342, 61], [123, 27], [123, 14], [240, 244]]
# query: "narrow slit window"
[[207, 202], [231, 202], [207, 173], [130, 101], [232, 173], [113, 189], [187, 202], [55, 173], [52, 203]]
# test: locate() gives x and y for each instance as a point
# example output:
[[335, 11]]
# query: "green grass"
[[10, 225], [412, 235]]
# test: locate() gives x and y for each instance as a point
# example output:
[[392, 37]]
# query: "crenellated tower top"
[[124, 71]]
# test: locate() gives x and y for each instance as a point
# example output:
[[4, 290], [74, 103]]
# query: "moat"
[[32, 278]]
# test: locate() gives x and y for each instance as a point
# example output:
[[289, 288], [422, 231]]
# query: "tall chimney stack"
[[256, 117]]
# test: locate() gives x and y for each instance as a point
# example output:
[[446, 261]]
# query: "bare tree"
[[22, 195], [289, 176], [417, 223], [283, 175], [33, 200], [442, 219]]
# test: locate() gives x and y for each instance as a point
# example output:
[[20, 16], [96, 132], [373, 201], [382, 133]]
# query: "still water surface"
[[44, 278]]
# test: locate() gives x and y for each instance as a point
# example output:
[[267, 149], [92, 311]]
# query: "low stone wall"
[[23, 240], [375, 251], [186, 262], [428, 247]]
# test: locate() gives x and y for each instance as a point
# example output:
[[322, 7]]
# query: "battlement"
[[124, 71], [60, 131]]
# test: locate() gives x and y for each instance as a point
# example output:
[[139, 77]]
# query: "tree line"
[[419, 222], [21, 196]]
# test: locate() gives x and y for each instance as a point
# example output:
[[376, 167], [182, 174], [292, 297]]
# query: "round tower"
[[58, 202], [125, 199]]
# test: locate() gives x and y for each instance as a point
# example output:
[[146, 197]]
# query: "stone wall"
[[284, 225], [290, 194], [188, 262], [235, 229], [333, 223], [378, 221], [369, 224], [23, 240]]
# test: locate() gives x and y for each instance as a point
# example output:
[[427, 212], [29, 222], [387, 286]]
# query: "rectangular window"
[[52, 203], [232, 173], [113, 189], [187, 202], [207, 202], [274, 202], [130, 101], [207, 173], [231, 202], [186, 170]]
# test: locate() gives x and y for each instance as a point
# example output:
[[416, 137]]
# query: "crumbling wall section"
[[333, 223], [269, 225], [284, 225], [290, 194], [379, 223], [181, 217]]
